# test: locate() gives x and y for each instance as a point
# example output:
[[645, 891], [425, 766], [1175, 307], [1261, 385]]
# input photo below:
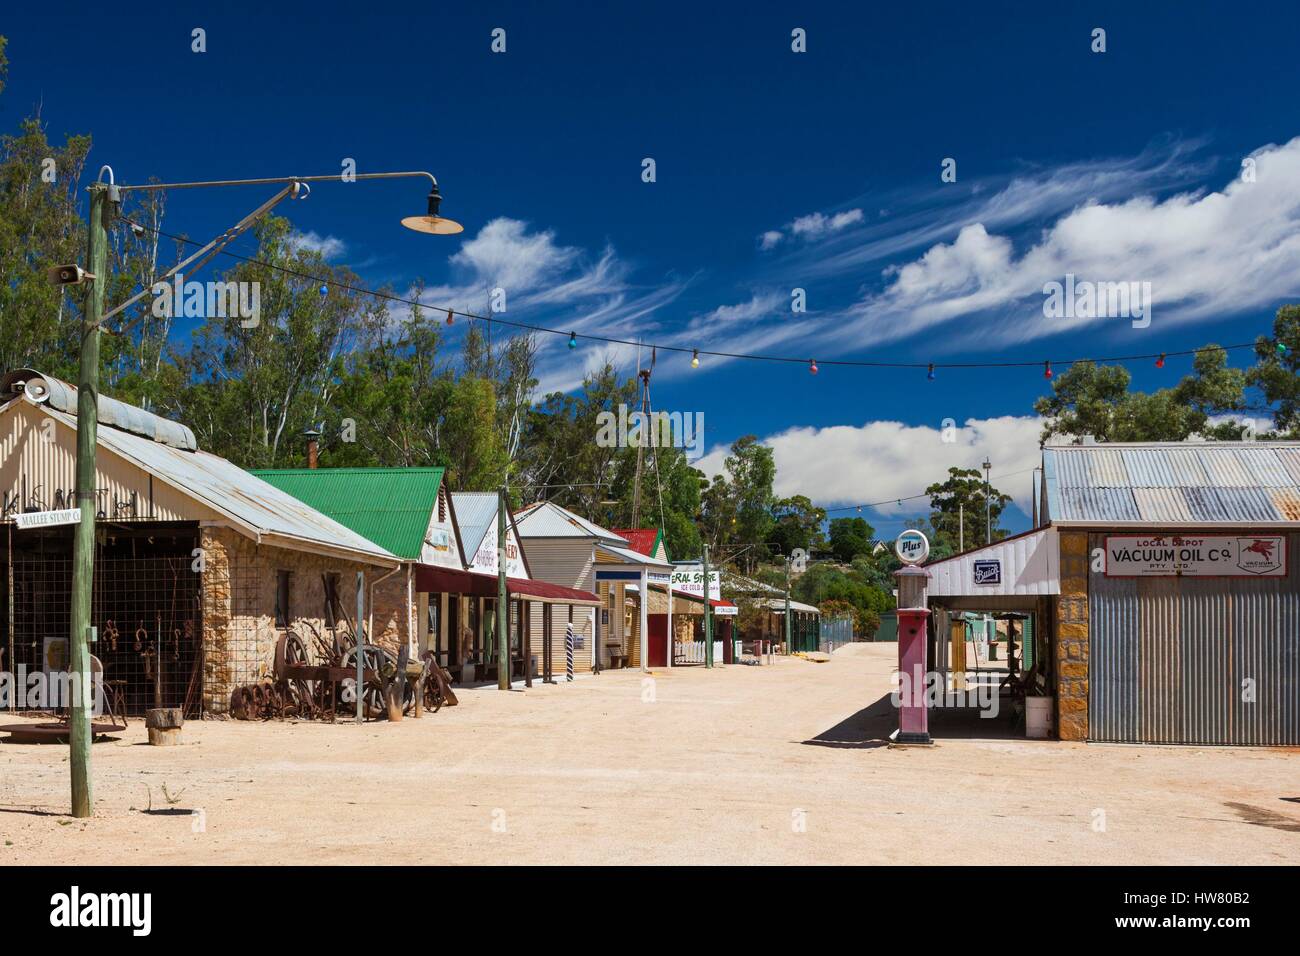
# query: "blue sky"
[[774, 171]]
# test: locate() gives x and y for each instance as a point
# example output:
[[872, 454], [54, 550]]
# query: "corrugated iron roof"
[[546, 519], [238, 494], [1189, 483], [628, 556], [40, 388], [476, 512], [645, 540], [390, 506]]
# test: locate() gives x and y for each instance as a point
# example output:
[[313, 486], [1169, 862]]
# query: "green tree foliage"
[[1277, 371], [957, 508], [797, 524], [1091, 399], [850, 537], [738, 505], [824, 582]]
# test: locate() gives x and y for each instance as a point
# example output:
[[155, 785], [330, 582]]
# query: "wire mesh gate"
[[146, 606]]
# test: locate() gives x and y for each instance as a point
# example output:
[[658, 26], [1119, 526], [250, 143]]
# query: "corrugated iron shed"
[[1193, 484], [390, 506], [225, 487]]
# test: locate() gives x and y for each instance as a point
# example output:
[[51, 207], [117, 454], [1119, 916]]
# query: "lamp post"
[[988, 512], [105, 202]]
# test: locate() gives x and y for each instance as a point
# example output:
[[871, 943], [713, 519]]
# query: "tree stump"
[[164, 725]]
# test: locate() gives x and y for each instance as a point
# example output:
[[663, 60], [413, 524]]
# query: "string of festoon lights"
[[326, 283]]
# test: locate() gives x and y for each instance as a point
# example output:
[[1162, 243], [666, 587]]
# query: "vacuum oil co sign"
[[1138, 556]]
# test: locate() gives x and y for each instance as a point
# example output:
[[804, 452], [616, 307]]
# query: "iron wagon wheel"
[[373, 659], [291, 649], [433, 697]]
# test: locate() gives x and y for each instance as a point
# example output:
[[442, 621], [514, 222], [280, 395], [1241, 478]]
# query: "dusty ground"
[[778, 764]]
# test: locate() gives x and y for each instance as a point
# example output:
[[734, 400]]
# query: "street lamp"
[[988, 513], [105, 203]]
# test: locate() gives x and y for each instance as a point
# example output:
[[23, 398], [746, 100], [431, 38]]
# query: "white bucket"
[[1038, 717]]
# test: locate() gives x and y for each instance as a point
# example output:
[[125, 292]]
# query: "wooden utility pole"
[[788, 648], [361, 644], [503, 612], [708, 616], [83, 539]]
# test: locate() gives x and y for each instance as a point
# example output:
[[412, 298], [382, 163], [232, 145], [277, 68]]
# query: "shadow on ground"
[[870, 727]]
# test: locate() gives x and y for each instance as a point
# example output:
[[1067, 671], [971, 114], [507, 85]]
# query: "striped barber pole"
[[568, 651]]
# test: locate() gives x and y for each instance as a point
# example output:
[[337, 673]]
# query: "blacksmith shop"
[[199, 566], [1161, 587]]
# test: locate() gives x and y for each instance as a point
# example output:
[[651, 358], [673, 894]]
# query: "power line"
[[696, 352], [891, 501]]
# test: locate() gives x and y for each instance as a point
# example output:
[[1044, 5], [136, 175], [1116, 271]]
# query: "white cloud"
[[1206, 255], [849, 464], [329, 247], [815, 225]]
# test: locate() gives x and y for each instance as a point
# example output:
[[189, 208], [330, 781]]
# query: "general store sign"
[[691, 581], [1205, 555], [46, 519]]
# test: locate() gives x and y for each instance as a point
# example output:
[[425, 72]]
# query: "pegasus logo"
[[1263, 547]]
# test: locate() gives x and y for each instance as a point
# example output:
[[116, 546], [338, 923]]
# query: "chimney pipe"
[[313, 445]]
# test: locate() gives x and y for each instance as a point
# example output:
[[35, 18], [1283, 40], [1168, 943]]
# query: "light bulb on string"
[[573, 340], [324, 290], [450, 317], [929, 374], [1282, 348], [1160, 362], [1047, 370], [695, 359], [812, 366]]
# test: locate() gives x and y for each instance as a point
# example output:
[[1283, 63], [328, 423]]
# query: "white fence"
[[692, 652]]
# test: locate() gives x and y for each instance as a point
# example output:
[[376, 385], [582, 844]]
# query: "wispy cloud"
[[329, 247], [815, 225], [1206, 254], [551, 285]]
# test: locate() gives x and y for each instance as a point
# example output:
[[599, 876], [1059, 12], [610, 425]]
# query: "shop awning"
[[431, 578]]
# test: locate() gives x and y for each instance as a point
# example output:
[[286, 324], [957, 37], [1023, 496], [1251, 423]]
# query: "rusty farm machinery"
[[314, 677]]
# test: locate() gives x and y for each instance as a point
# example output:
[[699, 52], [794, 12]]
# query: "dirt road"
[[780, 764]]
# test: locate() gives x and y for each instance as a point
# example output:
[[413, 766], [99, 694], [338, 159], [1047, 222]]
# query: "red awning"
[[473, 583]]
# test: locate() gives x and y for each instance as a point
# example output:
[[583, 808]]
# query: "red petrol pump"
[[912, 547]]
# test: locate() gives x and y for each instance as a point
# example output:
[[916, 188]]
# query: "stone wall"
[[1072, 638], [240, 579]]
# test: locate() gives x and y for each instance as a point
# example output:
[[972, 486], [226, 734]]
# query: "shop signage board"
[[48, 519], [691, 581], [1196, 555], [987, 571]]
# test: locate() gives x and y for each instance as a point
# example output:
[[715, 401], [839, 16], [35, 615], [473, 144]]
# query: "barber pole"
[[568, 651]]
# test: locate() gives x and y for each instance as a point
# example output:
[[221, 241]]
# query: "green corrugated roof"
[[389, 506]]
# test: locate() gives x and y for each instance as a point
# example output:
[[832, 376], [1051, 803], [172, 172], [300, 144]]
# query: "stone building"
[[199, 565]]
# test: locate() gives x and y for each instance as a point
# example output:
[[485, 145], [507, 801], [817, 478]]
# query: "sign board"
[[725, 611], [1196, 555], [912, 547], [987, 571], [47, 519], [691, 581]]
